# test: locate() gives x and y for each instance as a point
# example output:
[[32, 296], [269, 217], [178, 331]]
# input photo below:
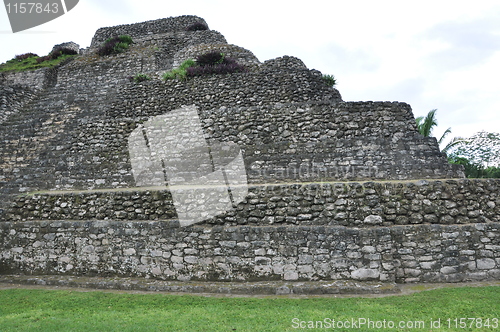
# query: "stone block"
[[365, 274], [290, 275], [485, 263]]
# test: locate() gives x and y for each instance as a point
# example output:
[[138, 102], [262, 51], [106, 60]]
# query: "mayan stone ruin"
[[268, 175]]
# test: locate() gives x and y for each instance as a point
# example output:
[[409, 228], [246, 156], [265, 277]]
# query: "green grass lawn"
[[47, 310]]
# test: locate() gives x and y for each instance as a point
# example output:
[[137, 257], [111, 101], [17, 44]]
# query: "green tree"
[[425, 126], [482, 148], [475, 170], [480, 155]]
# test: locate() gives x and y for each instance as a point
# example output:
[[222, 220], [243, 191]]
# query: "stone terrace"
[[337, 190]]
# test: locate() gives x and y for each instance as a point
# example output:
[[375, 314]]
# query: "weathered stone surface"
[[365, 274], [229, 288], [263, 207], [486, 264], [68, 45], [66, 128], [413, 253], [288, 122]]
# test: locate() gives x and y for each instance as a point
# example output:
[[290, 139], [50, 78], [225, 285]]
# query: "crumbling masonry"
[[336, 190]]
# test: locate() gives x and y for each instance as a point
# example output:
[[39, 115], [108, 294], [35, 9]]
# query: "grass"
[[45, 310], [139, 78], [15, 65], [180, 72]]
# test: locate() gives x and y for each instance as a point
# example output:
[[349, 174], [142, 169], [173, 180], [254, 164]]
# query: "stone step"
[[297, 288], [350, 204]]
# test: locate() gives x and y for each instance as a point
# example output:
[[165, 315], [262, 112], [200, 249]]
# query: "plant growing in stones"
[[139, 78], [214, 63], [62, 51], [210, 59], [115, 45], [31, 61], [181, 72], [24, 56], [206, 64], [330, 80], [56, 54]]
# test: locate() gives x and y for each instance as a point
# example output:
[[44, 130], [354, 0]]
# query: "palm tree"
[[426, 124], [453, 142]]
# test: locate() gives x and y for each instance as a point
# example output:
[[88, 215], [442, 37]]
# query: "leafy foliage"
[[198, 26], [56, 54], [425, 126], [62, 51], [330, 80], [205, 64], [479, 154], [115, 45], [483, 148], [25, 56], [211, 59], [139, 78], [31, 61], [43, 59], [473, 170], [181, 72], [214, 63]]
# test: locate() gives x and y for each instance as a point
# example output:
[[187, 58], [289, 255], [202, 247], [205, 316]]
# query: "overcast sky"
[[431, 54]]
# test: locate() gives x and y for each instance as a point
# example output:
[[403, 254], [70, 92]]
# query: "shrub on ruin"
[[115, 45], [56, 54], [206, 64], [181, 72], [60, 51], [31, 61], [210, 59], [25, 56], [330, 80], [43, 59], [198, 26], [214, 63]]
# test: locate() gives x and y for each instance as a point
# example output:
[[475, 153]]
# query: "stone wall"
[[241, 55], [162, 250], [138, 30], [283, 116], [13, 99], [70, 133], [36, 79], [261, 87], [76, 131], [350, 204]]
